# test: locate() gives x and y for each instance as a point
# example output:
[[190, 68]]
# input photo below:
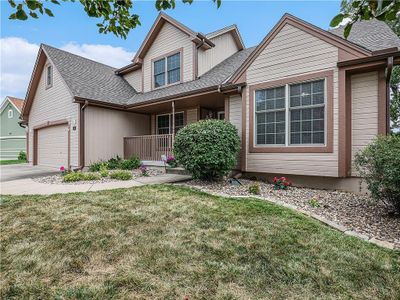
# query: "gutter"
[[379, 55], [82, 135]]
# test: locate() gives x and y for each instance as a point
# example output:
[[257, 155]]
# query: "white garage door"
[[53, 146]]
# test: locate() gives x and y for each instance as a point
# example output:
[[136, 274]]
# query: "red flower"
[[286, 183], [275, 179], [283, 178], [62, 169]]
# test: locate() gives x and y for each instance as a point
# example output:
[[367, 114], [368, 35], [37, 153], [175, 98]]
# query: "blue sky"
[[72, 30]]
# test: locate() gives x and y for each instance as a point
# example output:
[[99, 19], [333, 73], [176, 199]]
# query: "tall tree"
[[115, 14]]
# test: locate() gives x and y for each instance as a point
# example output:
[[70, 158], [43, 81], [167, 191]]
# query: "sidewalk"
[[31, 187]]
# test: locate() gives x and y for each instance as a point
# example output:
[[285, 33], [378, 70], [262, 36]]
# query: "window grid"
[[308, 128], [164, 123], [49, 78], [167, 70]]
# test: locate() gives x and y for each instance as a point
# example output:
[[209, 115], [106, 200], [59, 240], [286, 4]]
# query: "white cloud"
[[106, 54], [18, 58]]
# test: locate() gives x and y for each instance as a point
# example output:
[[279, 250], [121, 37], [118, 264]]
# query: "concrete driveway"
[[24, 171]]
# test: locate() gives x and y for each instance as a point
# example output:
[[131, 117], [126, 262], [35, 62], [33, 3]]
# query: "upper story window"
[[10, 113], [292, 114], [49, 76], [167, 70]]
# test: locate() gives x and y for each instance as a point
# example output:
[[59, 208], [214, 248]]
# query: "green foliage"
[[379, 165], [121, 175], [114, 163], [208, 149], [356, 10], [314, 202], [115, 14], [80, 176], [22, 156], [103, 170], [394, 108], [95, 167], [255, 189], [130, 164]]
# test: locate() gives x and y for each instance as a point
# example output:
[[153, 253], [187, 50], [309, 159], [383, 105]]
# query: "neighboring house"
[[304, 100], [13, 136]]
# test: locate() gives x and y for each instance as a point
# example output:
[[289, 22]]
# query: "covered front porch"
[[167, 118]]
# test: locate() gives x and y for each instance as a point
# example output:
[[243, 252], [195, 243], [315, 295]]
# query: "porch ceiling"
[[211, 100]]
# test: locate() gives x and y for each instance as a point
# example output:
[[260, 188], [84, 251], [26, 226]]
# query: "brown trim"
[[328, 148], [47, 125], [369, 59], [142, 70], [195, 62], [243, 162], [81, 139], [382, 103], [128, 68], [306, 27], [27, 146], [226, 108], [180, 51]]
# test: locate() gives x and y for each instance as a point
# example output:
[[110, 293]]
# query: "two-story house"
[[304, 100], [13, 136]]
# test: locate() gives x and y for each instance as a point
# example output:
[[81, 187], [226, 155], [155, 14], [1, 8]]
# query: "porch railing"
[[148, 147]]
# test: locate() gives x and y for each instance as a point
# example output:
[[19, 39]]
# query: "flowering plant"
[[144, 170], [62, 170], [281, 183], [171, 161]]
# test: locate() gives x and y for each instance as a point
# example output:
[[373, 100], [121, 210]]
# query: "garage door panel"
[[53, 146]]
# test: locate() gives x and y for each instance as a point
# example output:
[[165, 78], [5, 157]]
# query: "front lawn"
[[12, 162], [166, 242]]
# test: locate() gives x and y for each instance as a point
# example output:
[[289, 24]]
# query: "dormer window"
[[49, 76], [167, 70]]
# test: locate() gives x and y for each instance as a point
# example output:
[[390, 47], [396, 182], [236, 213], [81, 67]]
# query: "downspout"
[[82, 135], [388, 75]]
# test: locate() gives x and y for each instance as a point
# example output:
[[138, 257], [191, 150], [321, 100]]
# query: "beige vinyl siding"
[[135, 79], [53, 104], [225, 46], [169, 39], [235, 117], [364, 111], [294, 52], [105, 130], [191, 116]]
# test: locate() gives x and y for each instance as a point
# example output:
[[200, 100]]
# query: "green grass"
[[166, 242], [12, 162]]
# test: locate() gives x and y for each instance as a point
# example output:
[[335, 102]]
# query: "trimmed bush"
[[80, 176], [95, 167], [121, 175], [114, 163], [103, 170], [379, 165], [208, 149], [22, 155], [130, 164], [255, 189]]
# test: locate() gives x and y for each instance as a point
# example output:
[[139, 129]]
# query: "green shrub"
[[208, 149], [103, 170], [255, 189], [114, 163], [121, 175], [95, 167], [130, 164], [22, 155], [80, 176], [379, 165]]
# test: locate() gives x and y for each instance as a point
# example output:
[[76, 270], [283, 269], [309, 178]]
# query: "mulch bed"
[[58, 179], [359, 213]]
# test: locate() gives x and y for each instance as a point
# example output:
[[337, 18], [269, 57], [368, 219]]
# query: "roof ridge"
[[73, 54], [222, 29]]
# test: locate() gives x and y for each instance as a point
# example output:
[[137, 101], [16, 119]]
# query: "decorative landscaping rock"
[[58, 179], [352, 213]]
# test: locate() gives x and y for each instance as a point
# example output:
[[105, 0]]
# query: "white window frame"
[[49, 84], [10, 113], [165, 57], [219, 114], [287, 116], [170, 121]]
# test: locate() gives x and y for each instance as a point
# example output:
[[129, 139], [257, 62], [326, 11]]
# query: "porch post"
[[173, 122]]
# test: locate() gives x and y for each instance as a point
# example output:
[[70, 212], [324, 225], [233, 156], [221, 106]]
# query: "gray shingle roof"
[[372, 34], [89, 79], [214, 77]]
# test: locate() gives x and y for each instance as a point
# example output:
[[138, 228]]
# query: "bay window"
[[291, 114]]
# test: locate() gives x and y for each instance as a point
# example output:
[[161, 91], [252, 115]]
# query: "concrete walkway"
[[31, 187]]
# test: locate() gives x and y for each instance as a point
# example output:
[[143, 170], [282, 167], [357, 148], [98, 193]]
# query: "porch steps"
[[178, 170]]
